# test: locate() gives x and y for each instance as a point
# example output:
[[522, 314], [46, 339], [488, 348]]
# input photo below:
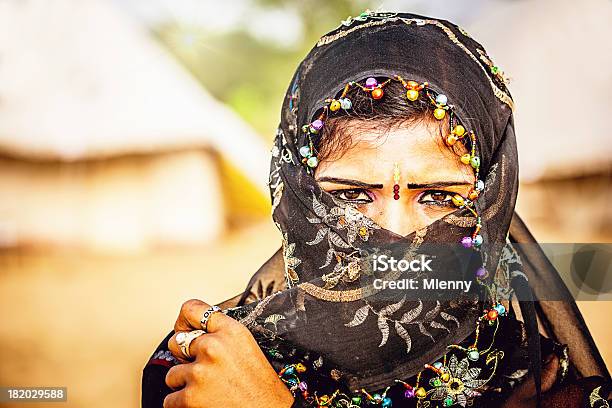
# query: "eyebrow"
[[348, 182], [438, 184]]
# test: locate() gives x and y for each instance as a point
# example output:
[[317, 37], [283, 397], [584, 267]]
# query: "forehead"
[[418, 148]]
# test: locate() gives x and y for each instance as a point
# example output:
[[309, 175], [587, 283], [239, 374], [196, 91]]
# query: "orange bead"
[[451, 140], [473, 195], [492, 314], [412, 85], [377, 93]]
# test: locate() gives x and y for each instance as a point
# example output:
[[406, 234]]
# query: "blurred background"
[[134, 138]]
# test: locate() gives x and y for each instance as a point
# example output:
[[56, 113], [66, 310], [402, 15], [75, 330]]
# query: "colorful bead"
[[436, 382], [458, 200], [439, 113], [300, 368], [448, 401], [409, 393], [437, 365], [475, 162], [466, 242], [412, 85], [312, 161], [492, 314], [441, 99], [377, 93], [334, 105], [473, 195], [356, 400], [305, 151], [481, 273], [451, 140], [371, 82], [303, 386], [473, 355], [477, 240], [412, 94], [346, 104], [480, 185], [420, 392], [501, 309], [445, 377], [386, 402], [465, 159], [316, 125], [459, 130]]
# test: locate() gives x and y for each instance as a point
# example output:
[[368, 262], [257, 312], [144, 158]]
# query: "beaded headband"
[[414, 91]]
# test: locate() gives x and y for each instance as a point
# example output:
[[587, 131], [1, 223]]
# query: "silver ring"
[[184, 340], [209, 312]]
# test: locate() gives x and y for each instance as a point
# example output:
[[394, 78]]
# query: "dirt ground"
[[89, 322]]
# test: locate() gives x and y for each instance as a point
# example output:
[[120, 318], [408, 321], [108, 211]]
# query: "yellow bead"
[[420, 392], [465, 159], [451, 140], [459, 130], [473, 195], [412, 95], [334, 105], [439, 113], [458, 200], [300, 368], [445, 377]]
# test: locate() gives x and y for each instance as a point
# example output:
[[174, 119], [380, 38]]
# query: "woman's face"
[[430, 174]]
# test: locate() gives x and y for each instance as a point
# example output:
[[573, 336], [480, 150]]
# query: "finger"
[[549, 373], [175, 349], [190, 315], [175, 400], [176, 377]]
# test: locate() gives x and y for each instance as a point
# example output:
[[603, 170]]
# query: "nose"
[[398, 218]]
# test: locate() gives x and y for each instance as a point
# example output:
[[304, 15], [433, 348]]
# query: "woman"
[[396, 139]]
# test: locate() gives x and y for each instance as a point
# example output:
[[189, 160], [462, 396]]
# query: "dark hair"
[[392, 111]]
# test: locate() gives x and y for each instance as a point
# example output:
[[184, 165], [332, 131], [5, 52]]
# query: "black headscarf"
[[326, 244]]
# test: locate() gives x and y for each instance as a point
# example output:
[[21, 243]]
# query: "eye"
[[437, 197], [358, 196]]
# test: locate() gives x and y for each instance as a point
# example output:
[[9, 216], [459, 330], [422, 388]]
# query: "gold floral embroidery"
[[291, 262]]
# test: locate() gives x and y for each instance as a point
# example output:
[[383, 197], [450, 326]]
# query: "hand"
[[229, 370]]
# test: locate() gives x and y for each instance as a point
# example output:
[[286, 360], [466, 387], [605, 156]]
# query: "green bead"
[[437, 382], [448, 402], [312, 161], [356, 400], [475, 162], [494, 69], [473, 355]]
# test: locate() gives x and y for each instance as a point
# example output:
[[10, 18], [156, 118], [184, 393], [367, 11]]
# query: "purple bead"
[[303, 386], [371, 82], [317, 124], [466, 242], [409, 393], [481, 273]]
